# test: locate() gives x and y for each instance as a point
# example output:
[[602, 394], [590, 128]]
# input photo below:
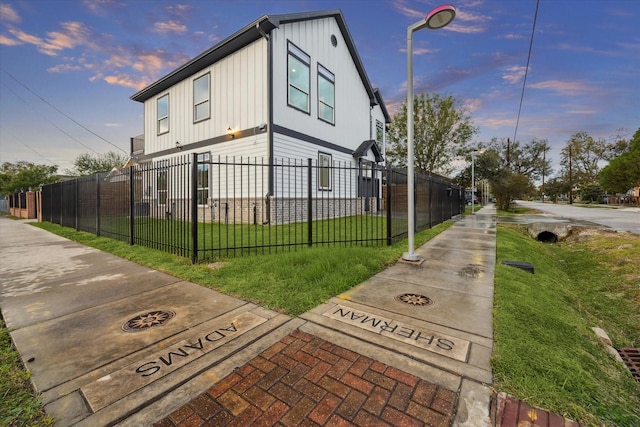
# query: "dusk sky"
[[80, 60]]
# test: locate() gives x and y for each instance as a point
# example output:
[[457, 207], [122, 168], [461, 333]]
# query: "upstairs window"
[[201, 98], [163, 114], [326, 95], [379, 134], [299, 82]]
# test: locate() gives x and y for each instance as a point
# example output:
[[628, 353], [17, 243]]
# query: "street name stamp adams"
[[445, 345], [118, 384]]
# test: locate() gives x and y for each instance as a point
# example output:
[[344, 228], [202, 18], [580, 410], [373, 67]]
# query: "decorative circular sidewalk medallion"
[[415, 299], [145, 321]]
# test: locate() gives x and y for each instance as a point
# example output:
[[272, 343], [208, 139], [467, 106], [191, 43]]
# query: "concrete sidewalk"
[[112, 342]]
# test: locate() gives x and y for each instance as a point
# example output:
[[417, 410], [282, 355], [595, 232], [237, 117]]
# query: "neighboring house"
[[284, 87]]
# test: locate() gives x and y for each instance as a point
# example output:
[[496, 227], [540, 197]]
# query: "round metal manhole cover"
[[415, 299], [148, 320]]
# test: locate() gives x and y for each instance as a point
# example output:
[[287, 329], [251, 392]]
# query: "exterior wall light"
[[230, 132]]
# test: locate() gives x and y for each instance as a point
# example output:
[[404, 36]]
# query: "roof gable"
[[249, 34], [361, 151]]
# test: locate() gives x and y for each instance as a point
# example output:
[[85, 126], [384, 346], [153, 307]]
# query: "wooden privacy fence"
[[205, 208]]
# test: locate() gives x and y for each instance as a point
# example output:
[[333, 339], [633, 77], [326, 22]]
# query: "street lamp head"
[[440, 17]]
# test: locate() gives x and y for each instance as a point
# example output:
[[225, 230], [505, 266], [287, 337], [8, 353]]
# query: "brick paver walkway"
[[306, 381], [511, 412]]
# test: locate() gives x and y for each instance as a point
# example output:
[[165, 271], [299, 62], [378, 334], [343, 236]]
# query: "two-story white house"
[[283, 87]]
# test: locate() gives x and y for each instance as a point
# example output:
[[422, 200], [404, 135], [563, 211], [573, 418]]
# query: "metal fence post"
[[98, 204], [388, 206], [194, 208], [77, 203], [131, 208], [309, 205]]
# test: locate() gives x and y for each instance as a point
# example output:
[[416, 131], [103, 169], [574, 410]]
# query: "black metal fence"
[[204, 208]]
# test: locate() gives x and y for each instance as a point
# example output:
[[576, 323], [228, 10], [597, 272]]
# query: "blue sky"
[[87, 57]]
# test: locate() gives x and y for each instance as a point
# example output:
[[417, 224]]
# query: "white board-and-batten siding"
[[238, 99], [352, 110]]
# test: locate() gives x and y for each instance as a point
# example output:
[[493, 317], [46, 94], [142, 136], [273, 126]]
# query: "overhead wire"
[[526, 71], [61, 112], [30, 148], [52, 123]]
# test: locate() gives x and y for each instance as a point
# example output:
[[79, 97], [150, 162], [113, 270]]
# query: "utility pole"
[[570, 179], [508, 153], [544, 163]]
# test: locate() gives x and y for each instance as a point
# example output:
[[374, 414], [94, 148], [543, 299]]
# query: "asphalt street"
[[618, 219]]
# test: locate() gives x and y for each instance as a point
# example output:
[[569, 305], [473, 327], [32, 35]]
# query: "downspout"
[[371, 122], [267, 196]]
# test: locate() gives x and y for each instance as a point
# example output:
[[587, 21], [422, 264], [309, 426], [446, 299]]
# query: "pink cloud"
[[8, 14], [515, 74], [563, 87], [7, 41], [169, 27]]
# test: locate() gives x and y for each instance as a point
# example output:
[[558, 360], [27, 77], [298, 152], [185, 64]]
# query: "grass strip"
[[545, 351], [19, 405], [290, 282]]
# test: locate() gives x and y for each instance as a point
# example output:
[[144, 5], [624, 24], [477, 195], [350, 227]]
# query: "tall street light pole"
[[473, 182], [438, 18]]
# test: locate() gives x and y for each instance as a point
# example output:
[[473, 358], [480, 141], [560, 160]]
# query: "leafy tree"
[[623, 171], [86, 164], [442, 131], [590, 193], [584, 154], [556, 187], [15, 177], [509, 187], [529, 160], [619, 146], [509, 167]]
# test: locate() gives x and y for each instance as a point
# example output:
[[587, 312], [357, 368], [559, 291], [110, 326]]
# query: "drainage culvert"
[[547, 237], [548, 232]]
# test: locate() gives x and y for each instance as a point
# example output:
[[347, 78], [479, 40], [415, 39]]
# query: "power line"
[[39, 154], [58, 110], [526, 71], [52, 124]]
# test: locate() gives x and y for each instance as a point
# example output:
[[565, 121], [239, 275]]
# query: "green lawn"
[[291, 281], [545, 351]]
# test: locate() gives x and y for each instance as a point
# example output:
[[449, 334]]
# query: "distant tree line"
[[443, 130], [25, 176]]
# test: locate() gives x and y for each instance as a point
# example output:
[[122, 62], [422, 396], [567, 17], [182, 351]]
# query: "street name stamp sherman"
[[454, 348], [110, 388]]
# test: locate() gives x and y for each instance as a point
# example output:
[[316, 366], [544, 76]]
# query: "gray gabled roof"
[[370, 144], [246, 36], [385, 113]]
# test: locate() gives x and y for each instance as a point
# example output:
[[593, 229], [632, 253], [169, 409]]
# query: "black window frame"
[[328, 76], [324, 169], [297, 53]]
